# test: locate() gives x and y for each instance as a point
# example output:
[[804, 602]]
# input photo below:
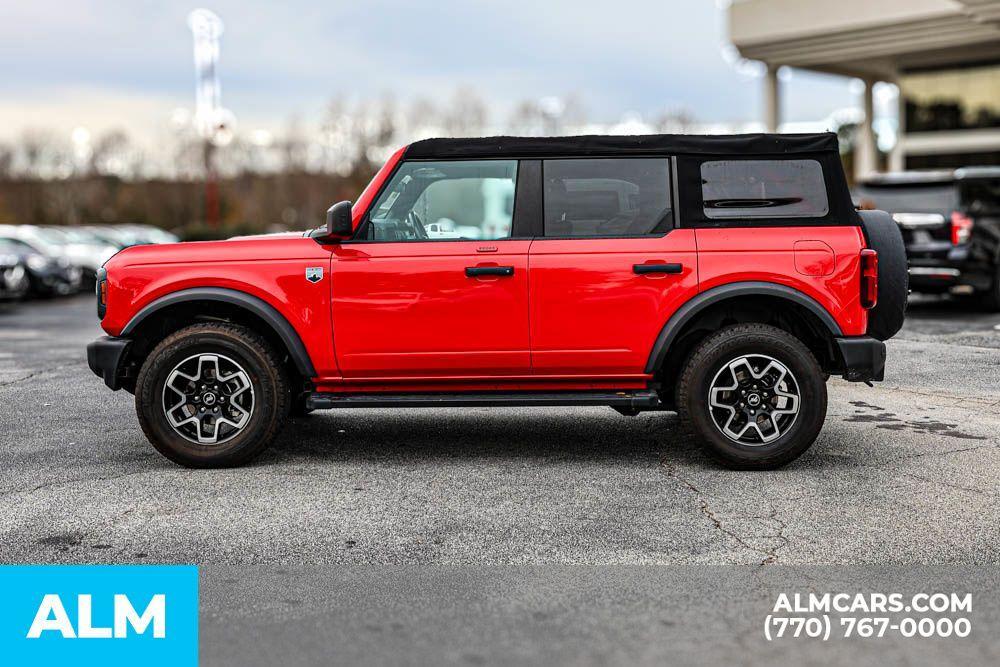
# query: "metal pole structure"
[[206, 28]]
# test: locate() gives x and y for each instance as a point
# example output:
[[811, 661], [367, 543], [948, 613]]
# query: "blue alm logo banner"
[[99, 615]]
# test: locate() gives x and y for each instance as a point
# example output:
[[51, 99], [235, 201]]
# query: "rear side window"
[[607, 197], [763, 189]]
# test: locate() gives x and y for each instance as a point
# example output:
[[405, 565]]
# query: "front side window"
[[607, 196], [763, 189], [461, 199]]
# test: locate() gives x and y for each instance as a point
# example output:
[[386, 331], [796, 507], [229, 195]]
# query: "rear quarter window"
[[763, 189]]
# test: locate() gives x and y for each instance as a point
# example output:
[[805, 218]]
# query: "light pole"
[[212, 122]]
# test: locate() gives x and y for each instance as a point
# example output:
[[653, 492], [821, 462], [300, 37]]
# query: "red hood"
[[240, 248]]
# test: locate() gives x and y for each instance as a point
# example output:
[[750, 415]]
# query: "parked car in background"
[[106, 234], [146, 234], [950, 222], [13, 272], [87, 254], [50, 271], [126, 236]]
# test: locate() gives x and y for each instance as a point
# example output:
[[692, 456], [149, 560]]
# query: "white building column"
[[897, 157], [865, 151], [772, 99]]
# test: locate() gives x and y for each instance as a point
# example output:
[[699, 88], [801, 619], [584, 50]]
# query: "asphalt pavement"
[[905, 474]]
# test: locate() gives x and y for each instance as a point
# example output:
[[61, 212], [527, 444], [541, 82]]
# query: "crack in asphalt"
[[944, 453], [36, 373], [69, 482], [949, 485], [941, 394], [770, 554]]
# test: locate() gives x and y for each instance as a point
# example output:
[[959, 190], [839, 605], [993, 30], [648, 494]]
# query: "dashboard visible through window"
[[462, 199]]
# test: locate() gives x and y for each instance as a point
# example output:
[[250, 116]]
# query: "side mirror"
[[339, 223]]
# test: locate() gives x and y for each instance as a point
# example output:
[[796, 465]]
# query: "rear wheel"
[[755, 396], [211, 395]]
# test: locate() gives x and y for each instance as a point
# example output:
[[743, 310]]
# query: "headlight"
[[37, 262]]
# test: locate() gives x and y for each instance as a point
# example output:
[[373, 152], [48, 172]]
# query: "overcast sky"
[[128, 63]]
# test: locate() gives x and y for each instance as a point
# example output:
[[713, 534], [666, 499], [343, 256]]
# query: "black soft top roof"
[[648, 144]]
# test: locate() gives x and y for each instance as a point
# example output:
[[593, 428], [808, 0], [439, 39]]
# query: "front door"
[[434, 286]]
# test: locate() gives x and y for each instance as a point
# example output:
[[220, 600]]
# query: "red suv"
[[725, 278]]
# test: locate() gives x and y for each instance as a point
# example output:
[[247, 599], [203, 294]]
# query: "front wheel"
[[211, 395], [755, 396]]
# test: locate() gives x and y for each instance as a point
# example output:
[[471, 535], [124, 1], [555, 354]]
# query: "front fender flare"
[[696, 304], [262, 309]]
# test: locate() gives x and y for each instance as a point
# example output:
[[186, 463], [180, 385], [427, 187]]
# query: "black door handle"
[[476, 271], [657, 268]]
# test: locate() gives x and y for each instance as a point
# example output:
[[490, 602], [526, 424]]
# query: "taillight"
[[102, 292], [961, 228], [869, 278]]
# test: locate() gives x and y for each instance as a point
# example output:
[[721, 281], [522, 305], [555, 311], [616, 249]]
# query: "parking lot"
[[906, 472]]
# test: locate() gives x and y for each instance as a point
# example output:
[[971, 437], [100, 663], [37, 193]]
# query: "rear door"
[[609, 268], [435, 286]]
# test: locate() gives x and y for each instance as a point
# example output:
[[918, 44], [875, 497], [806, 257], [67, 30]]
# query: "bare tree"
[[111, 154], [6, 161], [41, 152], [466, 115]]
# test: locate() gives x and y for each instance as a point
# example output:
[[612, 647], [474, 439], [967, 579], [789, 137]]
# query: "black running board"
[[628, 400]]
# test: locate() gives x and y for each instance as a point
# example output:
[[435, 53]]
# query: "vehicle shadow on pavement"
[[591, 435], [948, 307], [421, 435]]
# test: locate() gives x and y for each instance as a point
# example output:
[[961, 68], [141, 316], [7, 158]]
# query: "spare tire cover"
[[883, 236]]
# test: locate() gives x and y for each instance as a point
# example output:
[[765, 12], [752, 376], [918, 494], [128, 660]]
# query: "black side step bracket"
[[628, 400]]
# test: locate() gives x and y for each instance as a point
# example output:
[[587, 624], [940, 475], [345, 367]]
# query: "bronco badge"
[[314, 274]]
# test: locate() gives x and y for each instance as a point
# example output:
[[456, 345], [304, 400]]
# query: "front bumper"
[[105, 356], [863, 358]]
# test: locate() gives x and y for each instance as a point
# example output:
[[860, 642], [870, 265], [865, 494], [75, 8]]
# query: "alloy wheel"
[[208, 399], [754, 399]]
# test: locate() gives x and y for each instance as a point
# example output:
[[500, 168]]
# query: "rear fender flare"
[[696, 304]]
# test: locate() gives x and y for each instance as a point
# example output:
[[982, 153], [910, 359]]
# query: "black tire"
[[882, 235], [267, 379], [708, 360]]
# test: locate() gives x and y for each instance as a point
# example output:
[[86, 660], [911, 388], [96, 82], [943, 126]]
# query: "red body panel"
[[270, 268], [406, 317], [769, 254], [591, 313], [408, 309]]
